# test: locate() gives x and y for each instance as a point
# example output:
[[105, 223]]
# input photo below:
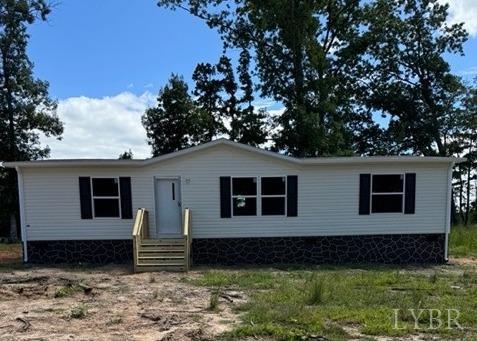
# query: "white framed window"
[[273, 195], [387, 193], [105, 197], [244, 196]]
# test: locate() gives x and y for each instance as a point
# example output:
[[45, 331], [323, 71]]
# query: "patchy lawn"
[[343, 302], [307, 303], [463, 241]]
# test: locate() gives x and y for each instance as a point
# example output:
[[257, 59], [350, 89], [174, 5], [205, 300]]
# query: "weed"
[[78, 312], [315, 291], [214, 300], [67, 290], [433, 278]]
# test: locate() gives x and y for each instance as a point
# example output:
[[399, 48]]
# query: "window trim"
[[402, 193], [103, 197], [285, 196], [258, 196]]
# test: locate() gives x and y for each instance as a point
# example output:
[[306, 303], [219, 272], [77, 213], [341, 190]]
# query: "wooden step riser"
[[160, 268], [165, 264], [162, 255], [162, 248], [171, 262], [163, 241]]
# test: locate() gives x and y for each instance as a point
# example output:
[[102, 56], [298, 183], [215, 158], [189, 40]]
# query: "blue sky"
[[105, 61], [99, 48]]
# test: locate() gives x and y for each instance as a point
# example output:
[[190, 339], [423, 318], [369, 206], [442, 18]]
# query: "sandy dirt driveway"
[[109, 303]]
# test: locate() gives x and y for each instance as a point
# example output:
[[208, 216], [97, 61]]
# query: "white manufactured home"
[[227, 203]]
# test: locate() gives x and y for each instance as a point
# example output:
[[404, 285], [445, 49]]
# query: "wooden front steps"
[[161, 255]]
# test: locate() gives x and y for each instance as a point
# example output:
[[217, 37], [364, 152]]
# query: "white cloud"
[[102, 127], [463, 11], [149, 85]]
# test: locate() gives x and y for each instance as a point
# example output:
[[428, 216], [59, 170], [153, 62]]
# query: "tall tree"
[[170, 125], [220, 105], [305, 53], [407, 75], [25, 106], [229, 109], [468, 144], [250, 126], [207, 98]]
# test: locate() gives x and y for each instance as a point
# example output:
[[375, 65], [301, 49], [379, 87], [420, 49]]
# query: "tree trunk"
[[453, 216], [461, 194], [467, 206], [13, 227]]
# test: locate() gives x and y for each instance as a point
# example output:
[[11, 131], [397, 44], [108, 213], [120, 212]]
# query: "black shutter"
[[126, 199], [292, 196], [364, 193], [225, 197], [410, 194], [85, 197]]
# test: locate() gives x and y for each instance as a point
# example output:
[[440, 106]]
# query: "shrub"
[[316, 291], [78, 312], [214, 300]]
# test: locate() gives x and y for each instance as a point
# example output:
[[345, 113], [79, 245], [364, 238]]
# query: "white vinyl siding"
[[328, 198]]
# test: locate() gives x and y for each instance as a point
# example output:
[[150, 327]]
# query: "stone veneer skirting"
[[80, 251], [386, 249]]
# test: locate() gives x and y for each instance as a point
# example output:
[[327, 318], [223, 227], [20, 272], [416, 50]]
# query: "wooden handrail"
[[186, 233], [140, 231]]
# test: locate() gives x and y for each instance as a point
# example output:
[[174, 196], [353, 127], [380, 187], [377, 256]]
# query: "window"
[[387, 193], [105, 192], [244, 196], [273, 195]]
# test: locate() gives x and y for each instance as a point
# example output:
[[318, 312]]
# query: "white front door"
[[168, 207]]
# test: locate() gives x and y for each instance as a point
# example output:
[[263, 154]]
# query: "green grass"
[[10, 247], [296, 304], [67, 290], [463, 241]]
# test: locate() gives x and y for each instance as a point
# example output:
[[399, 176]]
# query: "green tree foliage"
[[335, 64], [126, 155], [465, 173], [249, 126], [25, 107], [305, 53], [208, 101], [223, 102], [408, 77], [229, 109], [170, 125]]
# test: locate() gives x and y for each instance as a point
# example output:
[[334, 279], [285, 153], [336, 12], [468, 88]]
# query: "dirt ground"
[[109, 303], [10, 253], [112, 303]]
